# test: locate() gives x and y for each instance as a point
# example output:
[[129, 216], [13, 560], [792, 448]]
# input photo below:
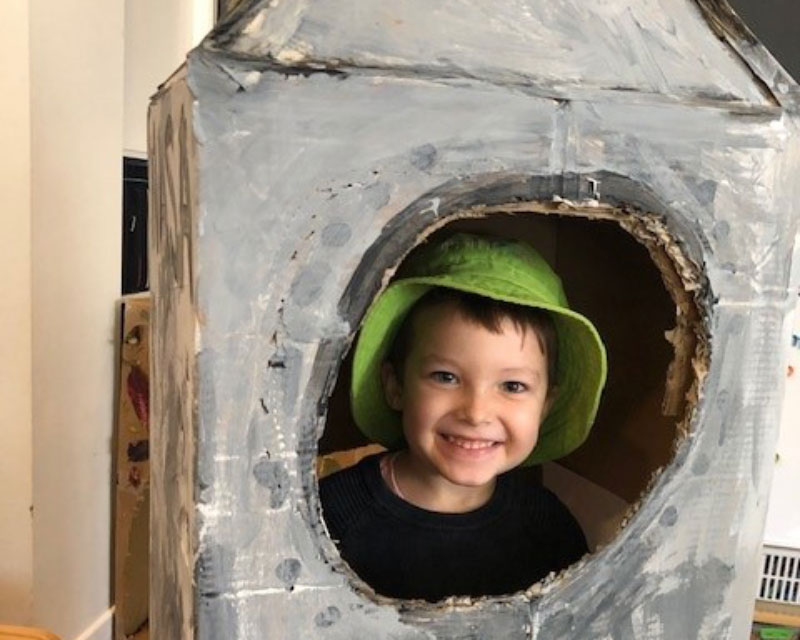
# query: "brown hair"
[[489, 314]]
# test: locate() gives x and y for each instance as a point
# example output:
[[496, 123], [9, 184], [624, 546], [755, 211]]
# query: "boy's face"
[[471, 400]]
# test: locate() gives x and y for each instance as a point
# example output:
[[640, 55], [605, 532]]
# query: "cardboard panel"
[[132, 487], [307, 147]]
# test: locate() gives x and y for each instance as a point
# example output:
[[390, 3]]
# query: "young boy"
[[468, 367]]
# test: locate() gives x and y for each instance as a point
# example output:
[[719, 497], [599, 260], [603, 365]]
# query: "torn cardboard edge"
[[685, 283]]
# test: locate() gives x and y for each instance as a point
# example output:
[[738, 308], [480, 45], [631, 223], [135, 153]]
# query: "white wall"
[[16, 492], [158, 35], [67, 70], [76, 62], [74, 66]]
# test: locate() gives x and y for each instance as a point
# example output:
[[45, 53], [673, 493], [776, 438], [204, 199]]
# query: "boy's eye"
[[445, 377], [514, 386]]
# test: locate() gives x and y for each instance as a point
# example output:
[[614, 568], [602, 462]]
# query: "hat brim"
[[581, 366]]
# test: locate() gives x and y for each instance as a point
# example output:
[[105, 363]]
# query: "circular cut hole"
[[628, 284]]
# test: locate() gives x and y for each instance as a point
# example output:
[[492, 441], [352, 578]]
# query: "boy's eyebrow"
[[535, 377], [434, 357], [530, 370]]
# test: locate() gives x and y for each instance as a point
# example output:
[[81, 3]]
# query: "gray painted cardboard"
[[301, 152]]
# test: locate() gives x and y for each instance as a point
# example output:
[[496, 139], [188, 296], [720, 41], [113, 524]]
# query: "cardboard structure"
[[132, 466], [306, 147]]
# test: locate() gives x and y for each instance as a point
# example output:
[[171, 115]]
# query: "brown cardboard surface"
[[132, 494]]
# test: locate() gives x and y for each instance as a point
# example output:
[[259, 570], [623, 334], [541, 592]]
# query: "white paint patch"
[[256, 24], [254, 593], [251, 79], [263, 301], [433, 207], [646, 627], [291, 56]]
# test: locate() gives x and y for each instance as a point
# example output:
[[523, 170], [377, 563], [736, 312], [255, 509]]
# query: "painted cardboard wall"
[[307, 146], [774, 21]]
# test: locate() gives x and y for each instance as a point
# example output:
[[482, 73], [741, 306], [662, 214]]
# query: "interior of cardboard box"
[[611, 277]]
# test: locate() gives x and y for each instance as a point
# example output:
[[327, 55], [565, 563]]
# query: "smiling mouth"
[[469, 443]]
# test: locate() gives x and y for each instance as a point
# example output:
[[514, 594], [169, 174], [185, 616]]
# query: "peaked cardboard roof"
[[695, 50]]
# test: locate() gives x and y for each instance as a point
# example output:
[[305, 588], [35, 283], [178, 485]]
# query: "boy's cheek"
[[419, 407]]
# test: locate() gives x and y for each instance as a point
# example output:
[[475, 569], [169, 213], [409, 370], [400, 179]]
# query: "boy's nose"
[[475, 407]]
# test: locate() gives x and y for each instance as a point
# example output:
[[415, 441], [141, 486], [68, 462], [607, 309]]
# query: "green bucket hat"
[[504, 270]]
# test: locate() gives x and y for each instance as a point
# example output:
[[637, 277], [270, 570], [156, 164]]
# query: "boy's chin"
[[475, 478]]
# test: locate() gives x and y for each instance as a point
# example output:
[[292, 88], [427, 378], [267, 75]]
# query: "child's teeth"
[[470, 444]]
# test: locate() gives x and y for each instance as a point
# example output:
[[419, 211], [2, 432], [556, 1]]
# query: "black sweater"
[[523, 533]]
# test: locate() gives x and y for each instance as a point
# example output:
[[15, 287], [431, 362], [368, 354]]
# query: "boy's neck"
[[428, 490]]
